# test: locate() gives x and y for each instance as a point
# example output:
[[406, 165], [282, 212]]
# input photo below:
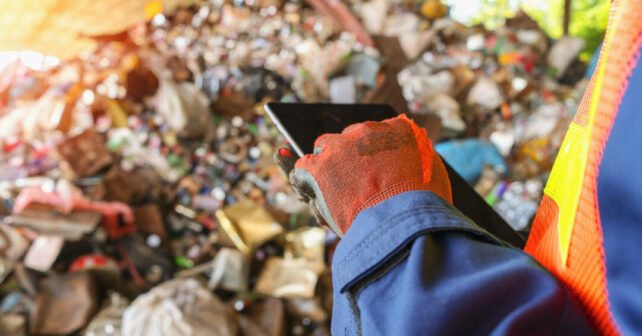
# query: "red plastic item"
[[90, 261], [118, 218]]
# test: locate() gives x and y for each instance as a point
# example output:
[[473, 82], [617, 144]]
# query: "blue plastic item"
[[468, 157]]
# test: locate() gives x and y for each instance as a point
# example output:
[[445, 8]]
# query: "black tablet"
[[302, 124]]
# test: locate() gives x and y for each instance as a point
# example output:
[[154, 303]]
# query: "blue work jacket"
[[414, 265]]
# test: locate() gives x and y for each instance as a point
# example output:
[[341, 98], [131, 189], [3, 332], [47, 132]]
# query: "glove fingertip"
[[302, 181]]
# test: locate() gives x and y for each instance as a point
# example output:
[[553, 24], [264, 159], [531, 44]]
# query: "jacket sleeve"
[[414, 265]]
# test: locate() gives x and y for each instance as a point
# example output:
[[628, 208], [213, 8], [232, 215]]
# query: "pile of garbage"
[[138, 192], [504, 97]]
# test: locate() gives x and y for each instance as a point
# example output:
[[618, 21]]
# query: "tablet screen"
[[306, 122]]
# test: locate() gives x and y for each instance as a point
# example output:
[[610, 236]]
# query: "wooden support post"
[[567, 15]]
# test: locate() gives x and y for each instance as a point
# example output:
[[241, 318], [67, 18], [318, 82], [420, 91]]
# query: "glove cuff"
[[380, 196]]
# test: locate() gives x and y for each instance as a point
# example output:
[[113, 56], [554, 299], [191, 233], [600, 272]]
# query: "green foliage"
[[493, 13], [588, 19]]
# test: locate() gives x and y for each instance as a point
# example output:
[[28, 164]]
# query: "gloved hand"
[[364, 165]]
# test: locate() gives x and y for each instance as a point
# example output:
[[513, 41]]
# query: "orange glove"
[[364, 165]]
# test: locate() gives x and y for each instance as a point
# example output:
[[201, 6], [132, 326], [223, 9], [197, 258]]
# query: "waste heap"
[[138, 192], [504, 97]]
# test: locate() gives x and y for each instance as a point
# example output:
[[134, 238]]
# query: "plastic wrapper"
[[178, 307], [289, 278], [448, 110], [563, 52], [184, 107], [229, 270], [373, 15], [503, 141], [402, 24], [43, 252], [246, 225], [468, 157], [485, 93], [419, 82], [307, 243]]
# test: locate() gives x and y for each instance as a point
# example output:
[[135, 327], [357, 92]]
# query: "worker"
[[409, 263]]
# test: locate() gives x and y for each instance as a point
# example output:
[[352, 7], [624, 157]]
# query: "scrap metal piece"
[[85, 153], [64, 304]]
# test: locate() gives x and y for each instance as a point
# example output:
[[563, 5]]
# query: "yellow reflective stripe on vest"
[[565, 182], [564, 185]]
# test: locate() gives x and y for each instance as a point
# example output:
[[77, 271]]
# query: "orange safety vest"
[[567, 233]]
